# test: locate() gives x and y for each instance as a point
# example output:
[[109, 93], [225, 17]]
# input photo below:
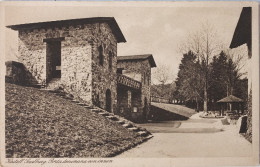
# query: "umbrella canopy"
[[230, 99]]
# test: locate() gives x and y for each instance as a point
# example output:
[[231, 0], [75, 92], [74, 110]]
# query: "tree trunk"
[[197, 104], [205, 105]]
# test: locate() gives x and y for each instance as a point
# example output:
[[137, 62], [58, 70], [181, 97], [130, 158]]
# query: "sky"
[[148, 30]]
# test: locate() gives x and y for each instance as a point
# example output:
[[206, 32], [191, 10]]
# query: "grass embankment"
[[41, 124]]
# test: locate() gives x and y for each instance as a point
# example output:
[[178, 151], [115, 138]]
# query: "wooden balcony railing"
[[124, 80]]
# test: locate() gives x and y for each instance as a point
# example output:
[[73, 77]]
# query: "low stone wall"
[[159, 99], [16, 73]]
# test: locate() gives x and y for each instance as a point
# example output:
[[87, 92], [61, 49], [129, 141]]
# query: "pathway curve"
[[195, 137]]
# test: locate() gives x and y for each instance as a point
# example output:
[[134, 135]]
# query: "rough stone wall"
[[141, 67], [32, 53], [75, 56], [76, 52], [78, 58], [104, 78]]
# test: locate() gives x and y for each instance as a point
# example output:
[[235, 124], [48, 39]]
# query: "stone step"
[[38, 86], [100, 109], [143, 133], [142, 129], [88, 107], [95, 110], [149, 137], [45, 89], [56, 91], [120, 121], [126, 125], [103, 114], [81, 104], [60, 94], [75, 101], [51, 90], [67, 97], [112, 117], [133, 129]]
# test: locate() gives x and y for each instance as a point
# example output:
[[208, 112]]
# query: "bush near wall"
[[16, 73]]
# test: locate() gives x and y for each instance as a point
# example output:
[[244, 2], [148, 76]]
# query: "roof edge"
[[139, 57], [59, 23]]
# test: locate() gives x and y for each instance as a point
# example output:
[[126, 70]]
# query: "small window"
[[101, 56], [110, 59]]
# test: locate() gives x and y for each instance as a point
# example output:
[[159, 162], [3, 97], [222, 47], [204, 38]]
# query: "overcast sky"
[[154, 30]]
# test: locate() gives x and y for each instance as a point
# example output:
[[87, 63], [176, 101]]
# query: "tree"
[[163, 76], [218, 79], [224, 79], [205, 45], [189, 82]]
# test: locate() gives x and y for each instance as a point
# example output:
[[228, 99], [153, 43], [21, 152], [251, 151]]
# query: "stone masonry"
[[80, 57], [140, 65], [82, 42]]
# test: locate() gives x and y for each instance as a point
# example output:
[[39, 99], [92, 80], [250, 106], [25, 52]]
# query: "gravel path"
[[195, 137]]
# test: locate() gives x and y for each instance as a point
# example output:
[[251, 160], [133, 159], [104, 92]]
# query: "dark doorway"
[[53, 58], [108, 100], [145, 108]]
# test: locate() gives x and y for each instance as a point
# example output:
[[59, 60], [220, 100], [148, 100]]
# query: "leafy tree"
[[218, 77], [189, 82], [224, 79]]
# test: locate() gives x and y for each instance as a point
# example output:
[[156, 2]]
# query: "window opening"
[[101, 56]]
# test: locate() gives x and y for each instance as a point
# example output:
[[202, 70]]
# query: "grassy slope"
[[177, 109], [41, 124]]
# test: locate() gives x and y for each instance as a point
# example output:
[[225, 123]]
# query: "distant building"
[[137, 104], [80, 55]]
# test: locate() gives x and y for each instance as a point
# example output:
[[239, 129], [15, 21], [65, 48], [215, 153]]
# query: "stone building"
[[79, 54], [243, 35], [134, 102]]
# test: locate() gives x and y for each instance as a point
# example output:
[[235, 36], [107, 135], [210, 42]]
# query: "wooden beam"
[[53, 39]]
